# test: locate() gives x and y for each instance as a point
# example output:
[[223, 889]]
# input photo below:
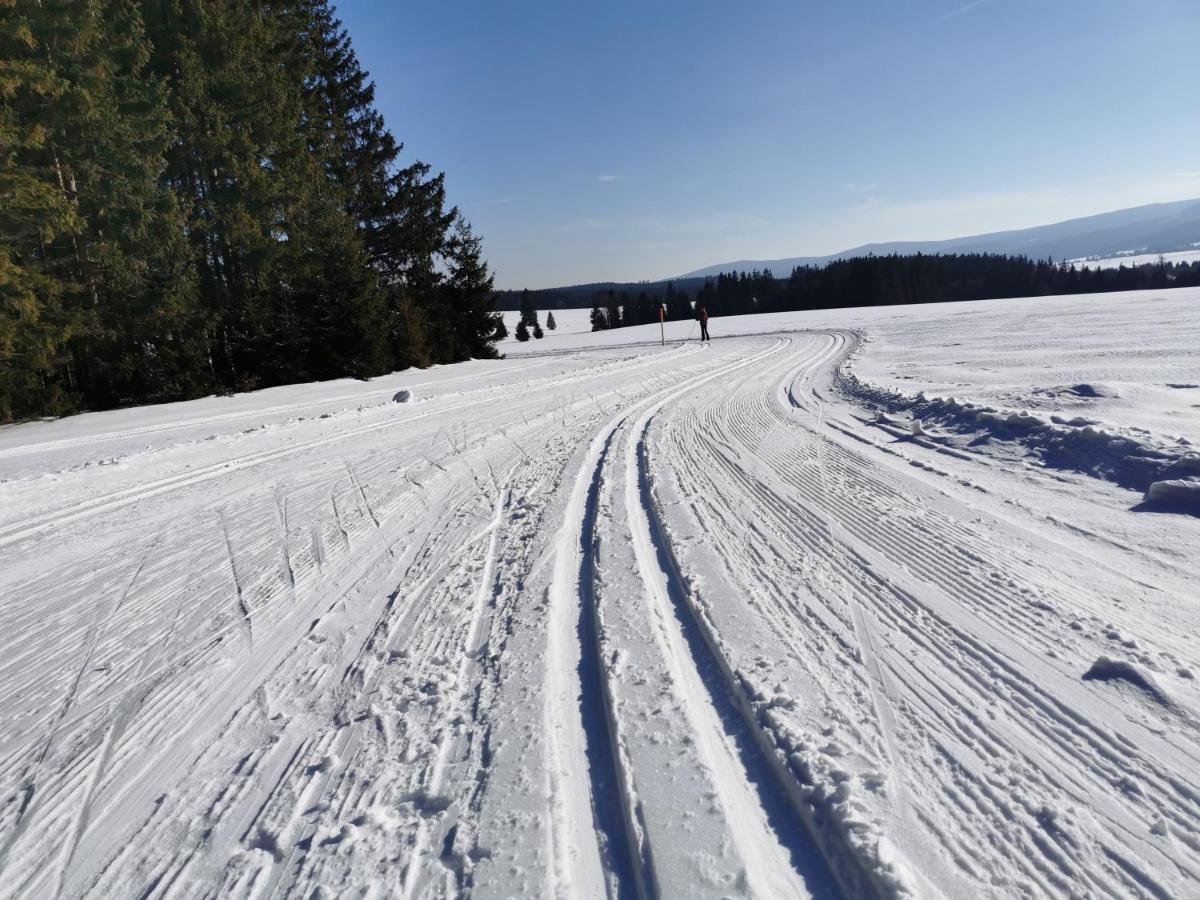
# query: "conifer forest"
[[202, 197]]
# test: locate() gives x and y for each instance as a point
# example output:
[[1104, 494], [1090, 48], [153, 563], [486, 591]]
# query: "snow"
[[566, 322], [877, 602], [1180, 492], [1131, 259]]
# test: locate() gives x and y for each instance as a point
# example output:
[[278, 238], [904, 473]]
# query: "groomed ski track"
[[634, 622]]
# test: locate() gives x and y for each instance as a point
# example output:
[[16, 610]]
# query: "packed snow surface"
[[859, 603]]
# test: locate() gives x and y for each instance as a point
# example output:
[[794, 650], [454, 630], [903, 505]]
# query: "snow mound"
[[403, 396], [1183, 493], [1082, 391], [1133, 458], [1105, 669]]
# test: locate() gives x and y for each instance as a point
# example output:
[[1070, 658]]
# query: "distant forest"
[[201, 196], [879, 281]]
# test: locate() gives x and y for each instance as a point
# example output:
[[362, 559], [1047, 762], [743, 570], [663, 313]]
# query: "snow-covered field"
[[1136, 259], [850, 603]]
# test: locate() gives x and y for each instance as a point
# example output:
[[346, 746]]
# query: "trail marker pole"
[[662, 327]]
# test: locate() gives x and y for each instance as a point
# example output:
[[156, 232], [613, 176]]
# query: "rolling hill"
[[1154, 228]]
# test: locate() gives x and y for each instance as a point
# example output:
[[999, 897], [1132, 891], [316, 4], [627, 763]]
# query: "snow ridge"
[[1132, 460]]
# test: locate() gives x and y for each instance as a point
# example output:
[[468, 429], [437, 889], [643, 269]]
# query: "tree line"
[[200, 197], [884, 281]]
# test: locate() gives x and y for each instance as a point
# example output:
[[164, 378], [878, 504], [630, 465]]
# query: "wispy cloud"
[[955, 13], [608, 179]]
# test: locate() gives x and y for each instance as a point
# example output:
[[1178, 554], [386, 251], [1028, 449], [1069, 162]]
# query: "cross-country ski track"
[[619, 620]]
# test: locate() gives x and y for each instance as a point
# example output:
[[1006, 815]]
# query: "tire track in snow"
[[575, 848], [929, 588], [211, 640], [775, 852], [576, 868], [191, 674], [222, 418], [28, 806], [473, 646], [779, 856], [615, 811], [119, 499]]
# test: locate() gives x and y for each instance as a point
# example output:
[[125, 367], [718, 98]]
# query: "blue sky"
[[638, 140]]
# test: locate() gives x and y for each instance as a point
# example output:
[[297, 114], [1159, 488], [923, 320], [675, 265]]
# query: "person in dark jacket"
[[702, 318]]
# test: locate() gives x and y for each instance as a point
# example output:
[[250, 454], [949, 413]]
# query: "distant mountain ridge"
[[1153, 228]]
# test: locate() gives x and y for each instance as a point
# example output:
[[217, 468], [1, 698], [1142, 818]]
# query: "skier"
[[702, 318]]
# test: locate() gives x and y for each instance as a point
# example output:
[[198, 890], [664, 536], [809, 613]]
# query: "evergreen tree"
[[522, 333], [36, 215], [550, 323], [501, 329], [470, 296], [642, 311], [528, 311], [400, 211], [239, 168], [537, 331], [203, 195], [612, 310], [598, 318], [86, 132]]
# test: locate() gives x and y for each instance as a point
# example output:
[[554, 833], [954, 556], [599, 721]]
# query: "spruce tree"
[[236, 168], [400, 210], [470, 296], [528, 311], [550, 323], [35, 215], [537, 331], [501, 332], [116, 276], [612, 312], [522, 333], [203, 194], [598, 319]]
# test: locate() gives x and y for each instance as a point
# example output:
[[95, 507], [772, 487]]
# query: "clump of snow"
[[403, 396], [1092, 390], [1183, 493], [1082, 391], [1105, 669]]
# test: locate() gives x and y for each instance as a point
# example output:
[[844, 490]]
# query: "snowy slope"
[[763, 618]]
